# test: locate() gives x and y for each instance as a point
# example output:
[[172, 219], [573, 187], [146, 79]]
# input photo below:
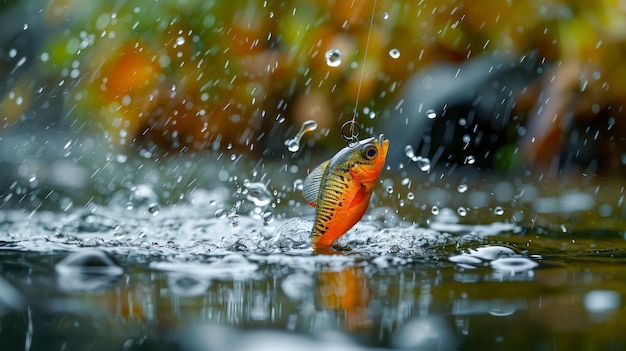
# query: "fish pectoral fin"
[[312, 182], [359, 197]]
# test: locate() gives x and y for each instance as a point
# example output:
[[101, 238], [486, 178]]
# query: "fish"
[[340, 189]]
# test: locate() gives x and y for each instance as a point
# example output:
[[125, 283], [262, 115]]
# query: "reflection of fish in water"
[[348, 292], [340, 188]]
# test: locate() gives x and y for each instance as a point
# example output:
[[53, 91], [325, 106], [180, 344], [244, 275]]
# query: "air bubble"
[[333, 58]]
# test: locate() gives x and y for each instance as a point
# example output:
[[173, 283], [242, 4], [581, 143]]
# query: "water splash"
[[293, 145], [258, 194]]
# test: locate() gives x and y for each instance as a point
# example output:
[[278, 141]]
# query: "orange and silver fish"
[[340, 189]]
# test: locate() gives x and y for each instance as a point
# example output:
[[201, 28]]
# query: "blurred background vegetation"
[[189, 75]]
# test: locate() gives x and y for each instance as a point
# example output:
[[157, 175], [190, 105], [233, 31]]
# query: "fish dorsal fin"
[[311, 185]]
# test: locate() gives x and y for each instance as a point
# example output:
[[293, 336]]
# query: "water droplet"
[[431, 114], [293, 145], [462, 188], [333, 57], [298, 184], [389, 189], [221, 214], [422, 162], [258, 194], [154, 209], [498, 211], [409, 152], [233, 217], [470, 160], [461, 211], [121, 158], [385, 16], [394, 54], [180, 41], [434, 210], [268, 217], [410, 196]]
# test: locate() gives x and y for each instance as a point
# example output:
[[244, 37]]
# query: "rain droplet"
[[333, 58], [431, 114], [389, 189], [498, 211], [394, 54], [258, 194], [221, 214], [462, 188], [385, 16], [293, 145], [410, 196], [470, 160], [461, 211]]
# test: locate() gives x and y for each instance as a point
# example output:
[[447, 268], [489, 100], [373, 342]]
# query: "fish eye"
[[369, 152]]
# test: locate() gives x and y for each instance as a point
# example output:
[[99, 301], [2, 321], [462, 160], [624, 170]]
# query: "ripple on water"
[[501, 259], [513, 265], [235, 266]]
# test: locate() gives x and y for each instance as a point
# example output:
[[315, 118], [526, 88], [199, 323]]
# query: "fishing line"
[[352, 126]]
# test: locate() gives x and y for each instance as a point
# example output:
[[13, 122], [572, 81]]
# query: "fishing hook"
[[350, 131]]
